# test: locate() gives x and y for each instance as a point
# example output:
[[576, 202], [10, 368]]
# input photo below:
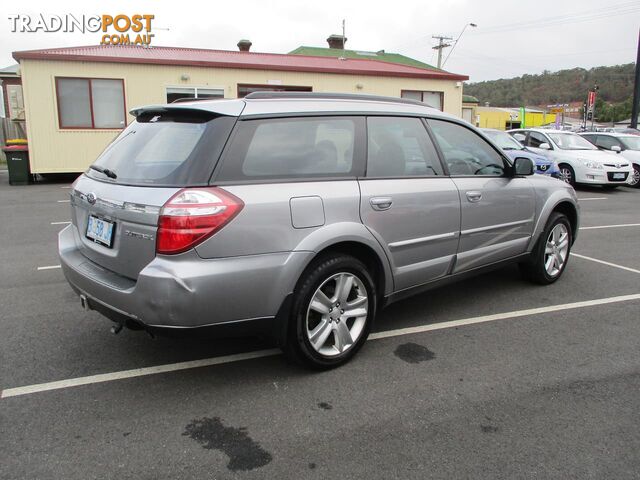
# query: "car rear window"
[[291, 148], [163, 148]]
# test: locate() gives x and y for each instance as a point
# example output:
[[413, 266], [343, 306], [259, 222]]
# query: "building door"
[[467, 115]]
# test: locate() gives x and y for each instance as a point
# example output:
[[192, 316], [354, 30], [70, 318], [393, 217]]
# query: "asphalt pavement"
[[489, 378]]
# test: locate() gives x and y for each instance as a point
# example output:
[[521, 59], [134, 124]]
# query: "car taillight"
[[192, 215]]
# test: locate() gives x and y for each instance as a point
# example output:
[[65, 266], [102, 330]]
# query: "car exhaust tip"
[[117, 328], [84, 302]]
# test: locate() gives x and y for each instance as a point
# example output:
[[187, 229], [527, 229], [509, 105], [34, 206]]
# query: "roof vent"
[[244, 45], [337, 41]]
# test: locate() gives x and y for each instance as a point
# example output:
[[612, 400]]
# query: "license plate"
[[618, 176], [100, 231]]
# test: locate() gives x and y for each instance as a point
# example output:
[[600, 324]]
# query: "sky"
[[511, 38]]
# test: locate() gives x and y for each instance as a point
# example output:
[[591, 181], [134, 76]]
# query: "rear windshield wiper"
[[105, 171]]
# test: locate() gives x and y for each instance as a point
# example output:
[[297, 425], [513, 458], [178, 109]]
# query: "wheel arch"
[[567, 208], [560, 201], [367, 255]]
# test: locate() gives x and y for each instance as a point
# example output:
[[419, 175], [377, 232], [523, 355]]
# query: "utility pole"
[[344, 33], [636, 91], [441, 45], [593, 116]]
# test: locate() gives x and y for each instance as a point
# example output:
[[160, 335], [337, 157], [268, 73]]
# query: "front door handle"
[[474, 196], [381, 203]]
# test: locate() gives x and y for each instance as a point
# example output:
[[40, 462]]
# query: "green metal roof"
[[362, 54], [469, 99]]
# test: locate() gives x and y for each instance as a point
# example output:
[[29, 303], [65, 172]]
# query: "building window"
[[177, 93], [244, 89], [433, 99], [91, 103]]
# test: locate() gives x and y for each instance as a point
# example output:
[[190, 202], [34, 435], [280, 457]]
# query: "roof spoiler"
[[231, 108]]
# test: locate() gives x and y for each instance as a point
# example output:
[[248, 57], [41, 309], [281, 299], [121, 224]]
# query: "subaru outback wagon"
[[301, 215]]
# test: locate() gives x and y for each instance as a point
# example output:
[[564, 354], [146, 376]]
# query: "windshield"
[[504, 140], [571, 141], [631, 142], [164, 149]]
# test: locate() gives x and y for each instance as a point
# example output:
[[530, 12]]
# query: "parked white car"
[[579, 160], [627, 145]]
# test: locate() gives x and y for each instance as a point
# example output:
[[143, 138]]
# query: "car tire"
[[550, 255], [635, 181], [320, 333], [567, 174]]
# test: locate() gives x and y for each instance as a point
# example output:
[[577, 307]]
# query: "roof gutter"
[[36, 55]]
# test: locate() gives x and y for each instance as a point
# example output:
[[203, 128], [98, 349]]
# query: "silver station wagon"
[[301, 215]]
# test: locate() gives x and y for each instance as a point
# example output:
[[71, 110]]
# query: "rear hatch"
[[115, 205]]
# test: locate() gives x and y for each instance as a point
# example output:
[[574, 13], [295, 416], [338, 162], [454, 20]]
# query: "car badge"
[[91, 198]]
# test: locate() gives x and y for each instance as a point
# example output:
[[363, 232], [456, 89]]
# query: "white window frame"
[[194, 88], [422, 92]]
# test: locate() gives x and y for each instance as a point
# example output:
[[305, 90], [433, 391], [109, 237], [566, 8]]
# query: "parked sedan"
[[513, 148], [627, 145], [579, 160]]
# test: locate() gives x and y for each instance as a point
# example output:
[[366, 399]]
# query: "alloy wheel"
[[565, 175], [337, 314], [556, 250], [635, 177]]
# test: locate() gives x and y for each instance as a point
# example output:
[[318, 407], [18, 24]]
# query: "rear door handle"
[[474, 196], [381, 203]]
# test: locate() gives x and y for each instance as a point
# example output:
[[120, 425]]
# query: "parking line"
[[172, 367], [591, 198], [621, 267], [49, 267], [64, 201], [66, 186], [136, 372], [60, 223], [611, 226]]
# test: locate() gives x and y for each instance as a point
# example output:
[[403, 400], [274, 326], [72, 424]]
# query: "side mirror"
[[545, 146], [520, 137], [523, 166], [616, 148]]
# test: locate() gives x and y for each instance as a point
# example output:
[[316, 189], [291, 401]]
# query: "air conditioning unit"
[[16, 102]]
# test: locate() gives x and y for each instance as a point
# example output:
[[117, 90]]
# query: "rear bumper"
[[185, 291]]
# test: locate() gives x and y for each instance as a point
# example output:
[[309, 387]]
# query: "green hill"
[[615, 82]]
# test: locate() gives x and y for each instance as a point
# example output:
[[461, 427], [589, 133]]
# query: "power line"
[[612, 11], [568, 16]]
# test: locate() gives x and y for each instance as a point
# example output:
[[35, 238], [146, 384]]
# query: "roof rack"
[[330, 96]]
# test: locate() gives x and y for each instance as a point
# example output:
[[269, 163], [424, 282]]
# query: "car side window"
[[291, 148], [400, 147], [466, 152], [606, 142], [536, 139], [521, 136]]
